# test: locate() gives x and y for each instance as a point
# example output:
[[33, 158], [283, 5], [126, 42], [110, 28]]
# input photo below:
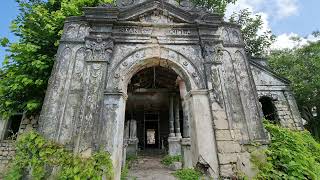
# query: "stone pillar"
[[171, 117], [186, 152], [112, 128], [3, 128], [177, 119], [173, 141], [132, 140], [203, 141], [185, 141]]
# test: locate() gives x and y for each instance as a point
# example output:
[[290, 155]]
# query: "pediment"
[[263, 76], [156, 12]]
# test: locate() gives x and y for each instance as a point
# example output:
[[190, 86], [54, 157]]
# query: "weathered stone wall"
[[7, 151], [269, 84]]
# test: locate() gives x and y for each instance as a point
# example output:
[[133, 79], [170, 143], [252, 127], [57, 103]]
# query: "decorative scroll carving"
[[101, 49], [156, 16], [71, 32], [218, 51], [208, 51], [235, 37], [225, 36], [231, 36], [83, 31]]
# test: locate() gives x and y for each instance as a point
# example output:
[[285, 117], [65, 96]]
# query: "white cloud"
[[272, 10], [285, 41], [251, 5], [276, 9], [286, 8]]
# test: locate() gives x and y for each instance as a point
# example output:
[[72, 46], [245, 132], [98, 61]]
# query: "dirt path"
[[150, 168]]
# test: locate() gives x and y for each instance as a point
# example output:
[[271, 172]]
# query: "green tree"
[[257, 42], [218, 6], [26, 70], [302, 67]]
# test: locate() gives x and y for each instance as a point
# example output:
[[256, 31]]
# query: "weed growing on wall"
[[168, 160], [290, 155], [125, 169], [188, 174], [38, 158]]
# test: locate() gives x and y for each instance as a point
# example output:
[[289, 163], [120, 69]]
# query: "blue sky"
[[285, 18]]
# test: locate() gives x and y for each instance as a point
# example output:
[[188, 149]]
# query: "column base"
[[174, 146], [132, 147], [186, 153]]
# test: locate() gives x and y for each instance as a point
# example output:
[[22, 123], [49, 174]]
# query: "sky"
[[286, 19]]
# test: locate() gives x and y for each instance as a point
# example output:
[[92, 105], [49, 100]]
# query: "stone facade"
[[85, 104]]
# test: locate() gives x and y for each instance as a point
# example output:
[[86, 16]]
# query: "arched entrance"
[[179, 77], [153, 109]]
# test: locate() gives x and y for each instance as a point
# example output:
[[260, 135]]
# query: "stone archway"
[[199, 147]]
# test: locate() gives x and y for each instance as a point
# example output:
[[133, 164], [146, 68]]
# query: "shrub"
[[290, 155], [37, 156], [168, 160], [125, 169], [188, 174]]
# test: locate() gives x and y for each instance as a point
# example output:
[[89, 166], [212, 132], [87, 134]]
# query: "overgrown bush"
[[36, 156], [125, 169], [290, 155], [168, 160], [188, 174]]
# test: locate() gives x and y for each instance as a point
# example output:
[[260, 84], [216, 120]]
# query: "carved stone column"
[[171, 117], [98, 54], [173, 140], [177, 119], [132, 140]]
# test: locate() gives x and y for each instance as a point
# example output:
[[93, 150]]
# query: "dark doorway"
[[149, 93], [269, 109], [13, 127]]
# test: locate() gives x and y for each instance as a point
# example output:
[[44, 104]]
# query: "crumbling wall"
[[7, 151]]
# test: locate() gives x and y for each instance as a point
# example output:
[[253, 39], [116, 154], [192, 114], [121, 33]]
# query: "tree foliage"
[[36, 156], [26, 70], [302, 67], [290, 155], [218, 6], [257, 41]]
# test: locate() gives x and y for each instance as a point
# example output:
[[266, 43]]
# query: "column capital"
[[196, 92]]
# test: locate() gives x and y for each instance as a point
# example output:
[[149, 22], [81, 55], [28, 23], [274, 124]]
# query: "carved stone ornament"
[[101, 49], [218, 51], [208, 51]]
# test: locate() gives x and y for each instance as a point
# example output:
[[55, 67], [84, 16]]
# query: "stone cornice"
[[122, 94]]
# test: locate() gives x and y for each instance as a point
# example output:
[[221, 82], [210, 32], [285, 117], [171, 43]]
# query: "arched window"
[[269, 110]]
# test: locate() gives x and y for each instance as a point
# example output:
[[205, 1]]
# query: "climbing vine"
[[39, 158], [290, 155]]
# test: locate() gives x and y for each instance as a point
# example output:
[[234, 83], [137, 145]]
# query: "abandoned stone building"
[[158, 74]]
